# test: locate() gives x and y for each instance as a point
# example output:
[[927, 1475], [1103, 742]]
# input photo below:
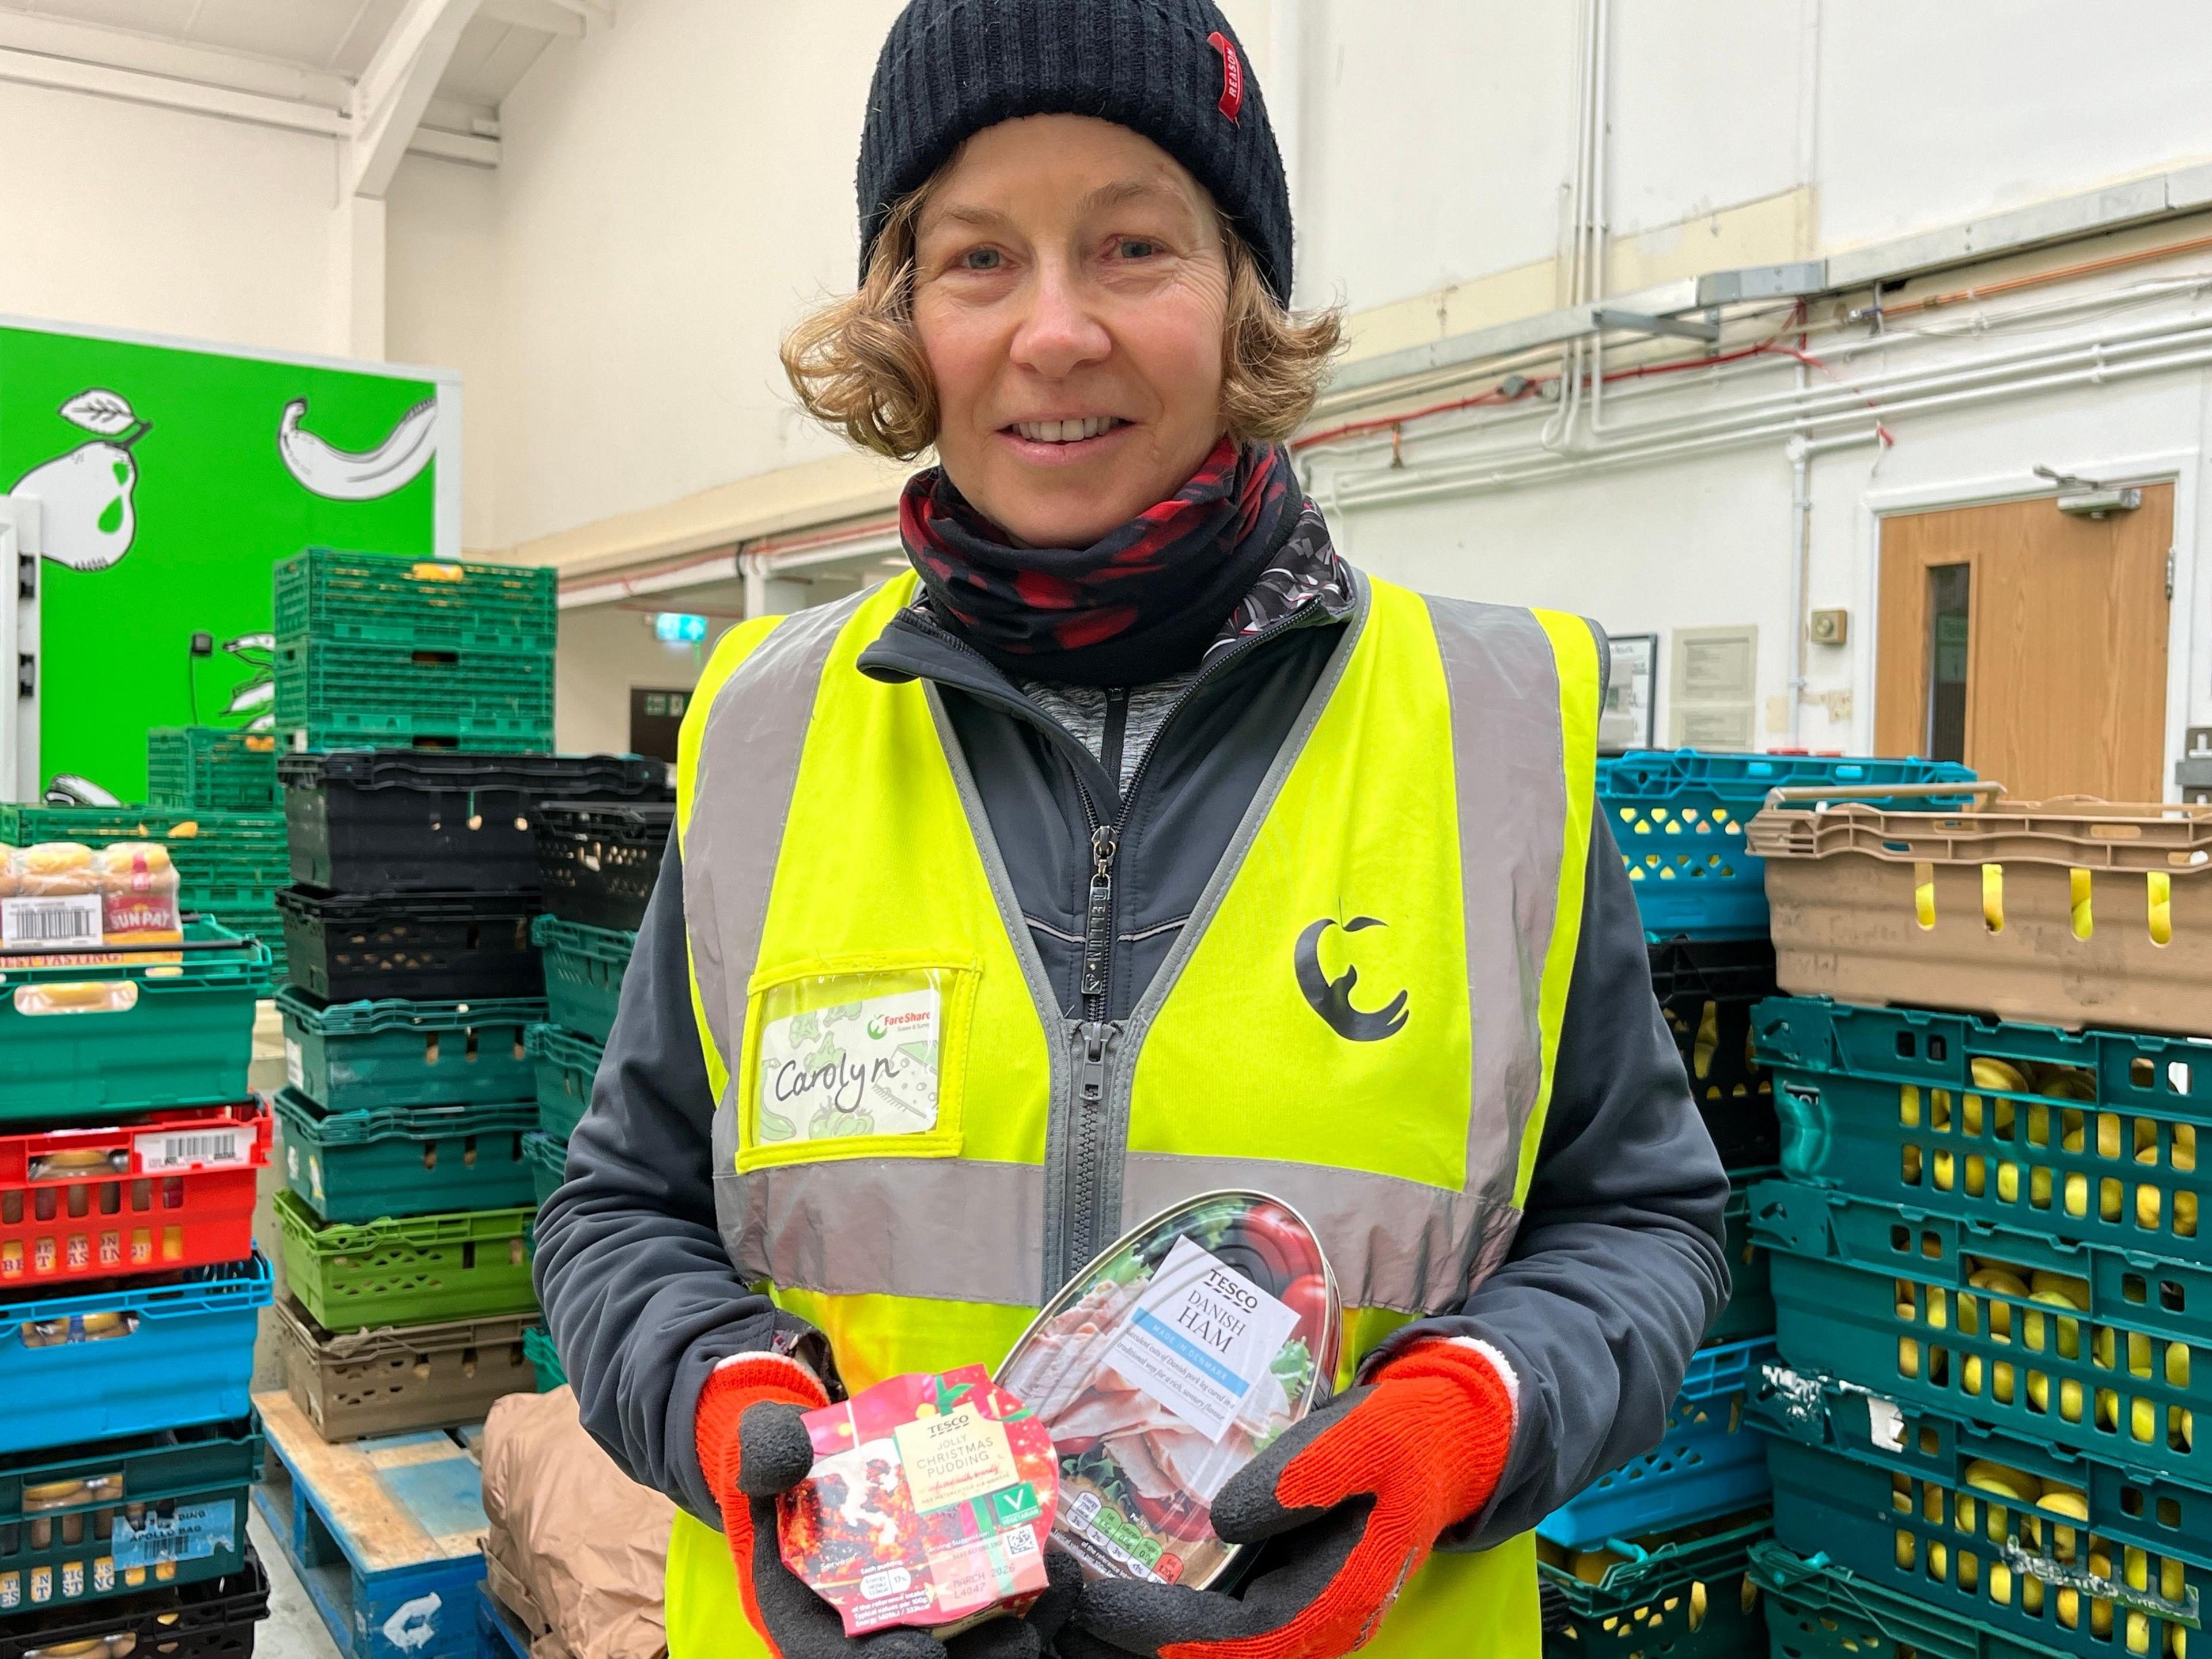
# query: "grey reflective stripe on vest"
[[911, 1226], [741, 788], [1508, 761], [747, 766], [940, 1228]]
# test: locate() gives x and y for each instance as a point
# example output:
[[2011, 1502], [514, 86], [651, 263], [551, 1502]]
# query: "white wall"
[[129, 217], [1708, 539], [1933, 113], [673, 191], [604, 651], [442, 308]]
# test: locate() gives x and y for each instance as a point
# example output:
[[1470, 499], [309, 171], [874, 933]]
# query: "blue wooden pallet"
[[503, 1635], [386, 1533]]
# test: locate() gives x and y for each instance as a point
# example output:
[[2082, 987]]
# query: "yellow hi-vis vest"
[[840, 876]]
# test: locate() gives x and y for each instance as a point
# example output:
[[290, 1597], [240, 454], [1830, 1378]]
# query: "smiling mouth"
[[1067, 432]]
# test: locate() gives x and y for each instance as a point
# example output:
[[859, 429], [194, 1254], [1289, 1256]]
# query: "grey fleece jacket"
[[1615, 1273]]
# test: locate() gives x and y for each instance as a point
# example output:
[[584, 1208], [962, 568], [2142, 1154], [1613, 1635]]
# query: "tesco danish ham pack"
[[1165, 1366], [63, 895], [929, 1504]]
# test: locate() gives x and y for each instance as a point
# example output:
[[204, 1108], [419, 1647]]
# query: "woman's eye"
[[980, 258], [1138, 248]]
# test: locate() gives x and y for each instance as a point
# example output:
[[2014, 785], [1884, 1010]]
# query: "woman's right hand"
[[753, 1447]]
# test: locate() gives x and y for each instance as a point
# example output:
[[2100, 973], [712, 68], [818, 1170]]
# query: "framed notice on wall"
[[1625, 721], [1716, 680]]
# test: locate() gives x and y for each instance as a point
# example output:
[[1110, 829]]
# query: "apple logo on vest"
[[1332, 998]]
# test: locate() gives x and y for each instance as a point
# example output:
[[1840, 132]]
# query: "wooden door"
[[2029, 643]]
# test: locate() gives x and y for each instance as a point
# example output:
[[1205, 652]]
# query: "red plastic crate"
[[170, 1188]]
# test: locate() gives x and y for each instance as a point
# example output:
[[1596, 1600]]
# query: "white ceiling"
[[329, 40]]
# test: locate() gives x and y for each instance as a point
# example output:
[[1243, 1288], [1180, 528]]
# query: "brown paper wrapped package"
[[576, 1549]]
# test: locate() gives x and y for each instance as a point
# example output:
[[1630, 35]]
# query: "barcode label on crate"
[[69, 919], [295, 1065], [187, 1149], [187, 1533]]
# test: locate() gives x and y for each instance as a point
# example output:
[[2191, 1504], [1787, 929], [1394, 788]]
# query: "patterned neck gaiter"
[[1141, 603]]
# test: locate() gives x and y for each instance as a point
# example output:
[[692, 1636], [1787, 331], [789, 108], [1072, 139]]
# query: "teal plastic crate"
[[1883, 1295], [334, 695], [105, 1040], [565, 1065], [105, 1518], [2092, 1135], [413, 1270], [331, 594], [1816, 1609], [538, 1345], [1709, 1462], [2064, 1550], [265, 923], [360, 1056], [1683, 1597], [1679, 818], [547, 1158], [405, 1160], [584, 968], [1750, 1311], [211, 767]]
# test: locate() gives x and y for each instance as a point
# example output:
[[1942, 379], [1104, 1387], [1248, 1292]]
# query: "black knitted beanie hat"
[[1171, 70]]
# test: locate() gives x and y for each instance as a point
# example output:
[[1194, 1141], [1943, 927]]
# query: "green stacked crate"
[[1686, 1595], [211, 768], [229, 865], [584, 971], [408, 1184], [376, 651], [1993, 1307]]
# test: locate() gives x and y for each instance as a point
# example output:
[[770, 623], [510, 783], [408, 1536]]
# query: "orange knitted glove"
[[1368, 1482], [753, 1445]]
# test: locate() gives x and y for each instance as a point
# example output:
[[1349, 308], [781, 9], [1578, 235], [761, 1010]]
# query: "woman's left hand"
[[1354, 1497]]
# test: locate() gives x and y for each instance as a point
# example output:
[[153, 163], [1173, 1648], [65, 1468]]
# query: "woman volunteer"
[[1148, 849]]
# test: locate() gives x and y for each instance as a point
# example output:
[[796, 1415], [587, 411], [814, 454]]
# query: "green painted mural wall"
[[210, 506]]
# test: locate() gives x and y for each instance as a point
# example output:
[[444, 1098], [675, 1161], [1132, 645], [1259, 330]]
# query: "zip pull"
[[1098, 917], [1094, 1042]]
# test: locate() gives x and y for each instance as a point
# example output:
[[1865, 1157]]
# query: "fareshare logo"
[[1332, 998]]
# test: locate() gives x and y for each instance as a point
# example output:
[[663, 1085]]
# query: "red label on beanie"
[[1232, 73]]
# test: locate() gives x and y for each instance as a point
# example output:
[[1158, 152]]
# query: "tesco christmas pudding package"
[[1165, 1366], [929, 1504]]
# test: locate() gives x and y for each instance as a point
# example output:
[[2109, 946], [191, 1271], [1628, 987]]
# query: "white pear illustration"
[[85, 496], [340, 475]]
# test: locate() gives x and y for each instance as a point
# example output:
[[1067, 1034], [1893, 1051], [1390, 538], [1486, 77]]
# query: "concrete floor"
[[294, 1629]]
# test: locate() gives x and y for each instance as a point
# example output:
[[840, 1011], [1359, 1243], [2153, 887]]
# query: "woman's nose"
[[1059, 332]]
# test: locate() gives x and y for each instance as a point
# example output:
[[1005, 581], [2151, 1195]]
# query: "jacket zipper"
[[1095, 1037]]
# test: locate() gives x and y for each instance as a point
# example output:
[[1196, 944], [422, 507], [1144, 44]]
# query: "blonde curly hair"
[[857, 368]]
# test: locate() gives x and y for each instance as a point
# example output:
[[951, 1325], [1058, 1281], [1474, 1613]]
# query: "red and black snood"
[[1141, 603]]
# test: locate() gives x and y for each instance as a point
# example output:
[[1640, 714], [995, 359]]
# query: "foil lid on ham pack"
[[1165, 1365]]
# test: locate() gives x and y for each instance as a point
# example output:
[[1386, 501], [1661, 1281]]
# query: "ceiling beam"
[[546, 16], [134, 86], [180, 85], [395, 87], [91, 43]]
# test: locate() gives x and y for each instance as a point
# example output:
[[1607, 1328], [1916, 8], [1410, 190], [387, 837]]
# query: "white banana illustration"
[[339, 475]]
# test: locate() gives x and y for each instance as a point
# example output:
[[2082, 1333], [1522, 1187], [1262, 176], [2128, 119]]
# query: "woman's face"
[[1070, 293]]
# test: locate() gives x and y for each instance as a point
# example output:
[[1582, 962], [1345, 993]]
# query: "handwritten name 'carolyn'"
[[843, 1082]]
